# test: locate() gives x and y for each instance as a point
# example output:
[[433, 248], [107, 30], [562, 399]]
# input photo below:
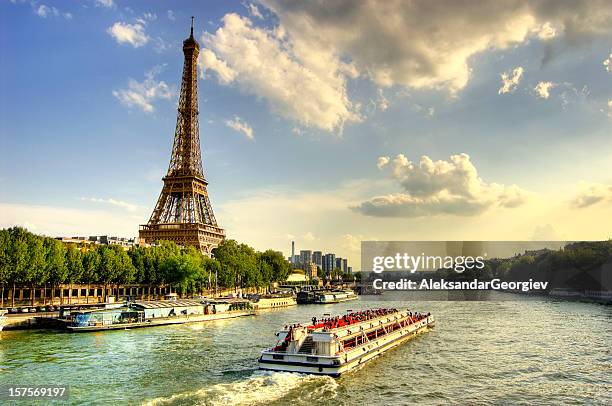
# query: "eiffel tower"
[[183, 212]]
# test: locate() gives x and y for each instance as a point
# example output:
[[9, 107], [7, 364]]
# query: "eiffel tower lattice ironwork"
[[183, 212]]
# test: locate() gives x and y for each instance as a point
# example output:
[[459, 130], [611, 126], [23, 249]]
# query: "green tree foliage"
[[91, 263], [55, 261], [280, 267], [36, 272], [26, 258], [74, 262], [5, 265]]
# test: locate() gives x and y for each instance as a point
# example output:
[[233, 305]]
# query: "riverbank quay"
[[22, 321], [77, 294]]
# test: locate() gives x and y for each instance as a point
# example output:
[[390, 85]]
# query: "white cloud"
[[63, 221], [441, 187], [510, 80], [208, 60], [133, 34], [352, 242], [382, 161], [302, 85], [423, 44], [254, 11], [542, 89], [608, 63], [381, 102], [546, 31], [309, 237], [241, 126], [105, 3], [113, 202], [143, 94], [592, 194], [44, 11], [171, 15], [149, 16]]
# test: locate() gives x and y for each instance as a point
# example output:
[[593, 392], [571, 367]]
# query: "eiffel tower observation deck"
[[183, 213]]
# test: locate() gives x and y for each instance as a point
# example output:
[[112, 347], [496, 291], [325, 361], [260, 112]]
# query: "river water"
[[529, 350]]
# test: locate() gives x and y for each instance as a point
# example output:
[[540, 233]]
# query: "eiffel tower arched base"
[[201, 236]]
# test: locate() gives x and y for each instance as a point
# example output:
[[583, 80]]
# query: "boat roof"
[[166, 304], [122, 309], [227, 300]]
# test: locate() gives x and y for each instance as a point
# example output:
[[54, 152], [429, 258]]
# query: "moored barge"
[[327, 296], [333, 346], [157, 313], [272, 301]]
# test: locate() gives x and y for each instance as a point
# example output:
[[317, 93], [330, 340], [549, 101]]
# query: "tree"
[[137, 256], [280, 266], [107, 267], [17, 258], [74, 262], [126, 272], [5, 268], [55, 262], [211, 267], [238, 264], [91, 263], [36, 272]]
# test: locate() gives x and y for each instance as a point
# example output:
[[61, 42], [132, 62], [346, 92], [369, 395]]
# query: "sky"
[[327, 123]]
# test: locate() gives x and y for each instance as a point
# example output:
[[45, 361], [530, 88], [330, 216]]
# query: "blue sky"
[[327, 97]]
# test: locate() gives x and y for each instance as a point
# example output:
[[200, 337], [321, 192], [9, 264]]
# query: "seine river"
[[497, 352]]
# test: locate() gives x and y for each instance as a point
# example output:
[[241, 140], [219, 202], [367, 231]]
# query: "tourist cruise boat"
[[273, 301], [333, 346], [3, 319], [157, 313]]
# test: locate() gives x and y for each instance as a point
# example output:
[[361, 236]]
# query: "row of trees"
[[578, 266], [32, 260]]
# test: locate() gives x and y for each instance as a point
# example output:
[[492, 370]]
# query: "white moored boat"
[[3, 319], [334, 296], [336, 345]]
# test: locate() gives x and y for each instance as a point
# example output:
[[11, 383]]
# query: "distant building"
[[312, 270], [305, 257], [75, 240], [344, 265], [338, 264], [101, 240], [317, 258], [292, 251], [350, 269], [329, 262]]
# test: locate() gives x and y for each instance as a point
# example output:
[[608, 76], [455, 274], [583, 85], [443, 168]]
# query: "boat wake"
[[262, 387]]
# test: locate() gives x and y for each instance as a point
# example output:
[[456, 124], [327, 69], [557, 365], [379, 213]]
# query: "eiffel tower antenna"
[[183, 212]]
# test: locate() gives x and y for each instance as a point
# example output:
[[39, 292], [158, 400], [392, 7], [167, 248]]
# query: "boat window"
[[278, 356]]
